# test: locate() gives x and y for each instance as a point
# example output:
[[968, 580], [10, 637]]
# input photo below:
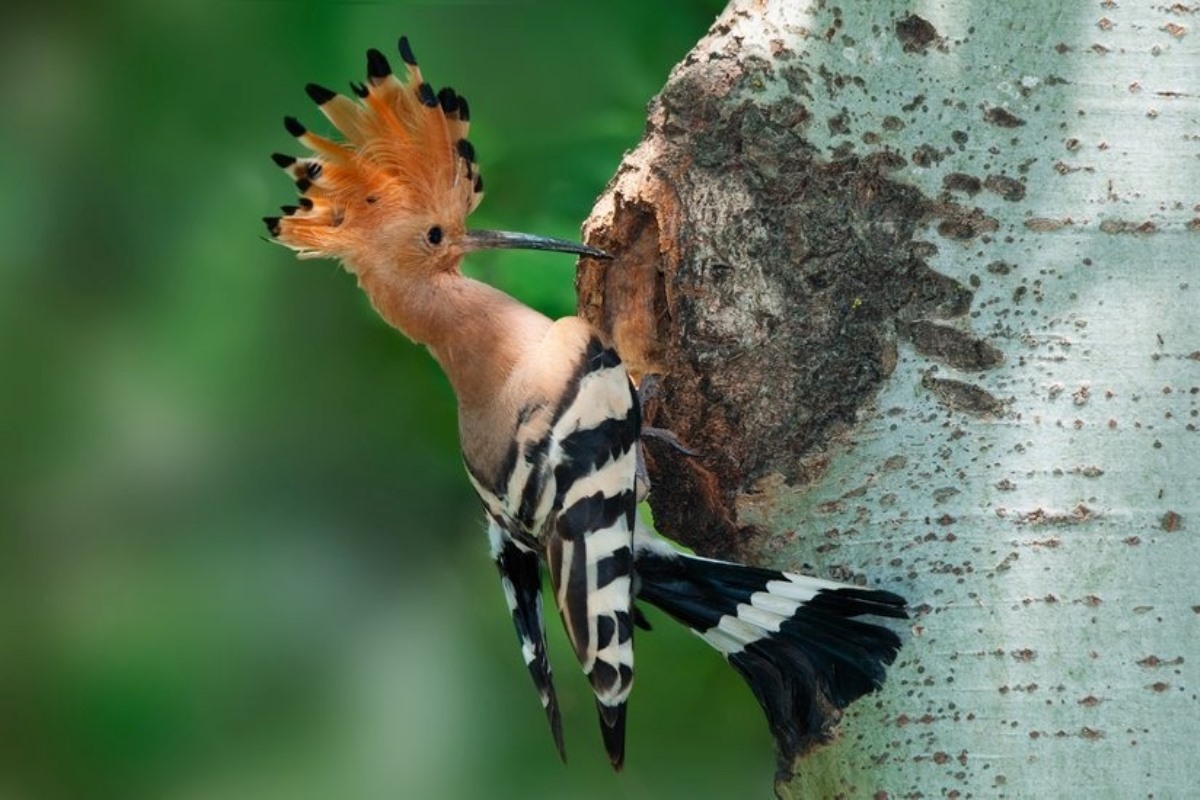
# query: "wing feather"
[[589, 536], [521, 577]]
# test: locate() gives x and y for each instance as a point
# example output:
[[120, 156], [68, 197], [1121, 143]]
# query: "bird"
[[550, 427]]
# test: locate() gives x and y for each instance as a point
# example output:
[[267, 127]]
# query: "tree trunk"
[[922, 292]]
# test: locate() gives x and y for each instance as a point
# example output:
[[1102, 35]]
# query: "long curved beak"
[[507, 240]]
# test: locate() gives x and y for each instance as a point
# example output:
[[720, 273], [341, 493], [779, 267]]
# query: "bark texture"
[[919, 289]]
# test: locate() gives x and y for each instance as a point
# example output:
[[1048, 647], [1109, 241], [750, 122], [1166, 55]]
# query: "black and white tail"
[[794, 639]]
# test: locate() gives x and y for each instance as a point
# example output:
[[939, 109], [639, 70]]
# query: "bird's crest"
[[404, 170]]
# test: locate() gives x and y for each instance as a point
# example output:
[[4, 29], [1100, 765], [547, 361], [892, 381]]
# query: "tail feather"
[[794, 639]]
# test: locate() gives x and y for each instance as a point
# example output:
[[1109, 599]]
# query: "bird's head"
[[393, 197]]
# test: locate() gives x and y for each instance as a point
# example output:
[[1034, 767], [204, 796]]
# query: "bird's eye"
[[434, 234]]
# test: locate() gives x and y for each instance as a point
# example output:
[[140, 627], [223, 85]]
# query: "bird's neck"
[[476, 332]]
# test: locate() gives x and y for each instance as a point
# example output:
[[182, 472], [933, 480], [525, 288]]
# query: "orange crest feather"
[[404, 167]]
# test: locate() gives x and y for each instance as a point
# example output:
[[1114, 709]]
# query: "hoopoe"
[[550, 426]]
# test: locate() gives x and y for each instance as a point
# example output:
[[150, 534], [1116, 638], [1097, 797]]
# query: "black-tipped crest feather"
[[319, 94], [377, 65], [428, 98], [294, 127], [406, 53]]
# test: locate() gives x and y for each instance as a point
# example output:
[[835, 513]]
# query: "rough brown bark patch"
[[764, 284]]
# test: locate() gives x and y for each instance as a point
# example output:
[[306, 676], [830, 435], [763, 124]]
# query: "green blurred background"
[[239, 557]]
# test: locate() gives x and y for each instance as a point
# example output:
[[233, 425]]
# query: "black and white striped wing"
[[521, 578], [589, 535]]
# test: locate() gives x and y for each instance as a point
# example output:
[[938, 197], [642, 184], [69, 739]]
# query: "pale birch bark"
[[923, 281]]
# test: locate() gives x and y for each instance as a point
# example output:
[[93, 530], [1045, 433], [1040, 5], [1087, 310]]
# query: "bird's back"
[[564, 484]]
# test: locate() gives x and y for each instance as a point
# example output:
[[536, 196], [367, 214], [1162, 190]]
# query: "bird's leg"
[[647, 391], [664, 435]]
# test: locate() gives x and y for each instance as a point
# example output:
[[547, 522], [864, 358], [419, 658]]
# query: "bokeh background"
[[239, 557]]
